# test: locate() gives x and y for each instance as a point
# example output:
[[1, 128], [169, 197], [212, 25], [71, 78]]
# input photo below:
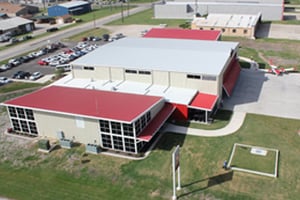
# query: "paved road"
[[58, 36], [279, 31]]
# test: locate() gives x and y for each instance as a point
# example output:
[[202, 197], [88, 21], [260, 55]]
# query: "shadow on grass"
[[170, 140], [211, 181]]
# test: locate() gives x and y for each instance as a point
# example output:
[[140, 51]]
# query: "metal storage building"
[[71, 8], [16, 25], [186, 9]]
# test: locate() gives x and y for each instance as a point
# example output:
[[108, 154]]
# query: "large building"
[[69, 8], [187, 9], [120, 95]]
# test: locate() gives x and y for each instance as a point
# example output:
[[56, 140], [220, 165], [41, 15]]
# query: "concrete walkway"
[[235, 123]]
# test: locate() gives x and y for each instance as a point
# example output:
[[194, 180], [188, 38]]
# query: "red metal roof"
[[157, 122], [87, 102], [204, 101], [183, 34], [231, 76]]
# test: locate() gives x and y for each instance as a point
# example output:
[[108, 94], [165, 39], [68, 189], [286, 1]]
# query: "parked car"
[[53, 29], [35, 76], [23, 75], [15, 61], [42, 62], [15, 75], [4, 67], [4, 80]]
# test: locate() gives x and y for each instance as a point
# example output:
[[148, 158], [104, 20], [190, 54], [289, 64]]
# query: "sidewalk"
[[235, 123]]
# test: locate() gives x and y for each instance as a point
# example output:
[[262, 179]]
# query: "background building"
[[16, 25], [229, 24], [70, 8], [187, 9], [17, 9]]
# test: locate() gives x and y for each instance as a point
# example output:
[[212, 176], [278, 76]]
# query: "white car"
[[35, 76], [4, 80], [4, 67]]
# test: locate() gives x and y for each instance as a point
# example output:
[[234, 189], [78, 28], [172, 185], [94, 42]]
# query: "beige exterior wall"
[[116, 74], [83, 130], [99, 73], [178, 79], [228, 31], [160, 78]]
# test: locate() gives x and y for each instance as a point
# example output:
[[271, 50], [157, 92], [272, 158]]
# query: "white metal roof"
[[72, 4], [14, 22], [190, 56], [228, 20], [170, 94]]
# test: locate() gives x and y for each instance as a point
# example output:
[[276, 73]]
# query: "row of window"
[[24, 126], [131, 71], [20, 113], [118, 128], [118, 143], [245, 31], [204, 77]]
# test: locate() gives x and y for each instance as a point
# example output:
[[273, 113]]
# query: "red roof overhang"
[[87, 102], [183, 34], [231, 76], [204, 101], [156, 123]]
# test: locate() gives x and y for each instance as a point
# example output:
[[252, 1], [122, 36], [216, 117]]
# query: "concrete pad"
[[266, 94]]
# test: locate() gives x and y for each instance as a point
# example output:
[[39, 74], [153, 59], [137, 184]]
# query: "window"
[[104, 126], [145, 72], [12, 112], [106, 141], [193, 76], [116, 128], [129, 145], [24, 126], [245, 31], [201, 28], [16, 125], [138, 127], [21, 113], [89, 68], [209, 78], [130, 71], [148, 116], [212, 29], [223, 30], [234, 30], [32, 127], [118, 143], [29, 114], [128, 129]]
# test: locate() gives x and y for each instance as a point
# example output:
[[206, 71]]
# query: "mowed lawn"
[[72, 174]]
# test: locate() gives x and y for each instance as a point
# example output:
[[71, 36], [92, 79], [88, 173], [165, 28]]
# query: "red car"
[[42, 62]]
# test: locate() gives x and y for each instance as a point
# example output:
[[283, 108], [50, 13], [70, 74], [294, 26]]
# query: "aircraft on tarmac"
[[278, 71]]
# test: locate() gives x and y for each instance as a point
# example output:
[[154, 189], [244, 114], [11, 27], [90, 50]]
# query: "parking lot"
[[45, 61], [266, 94]]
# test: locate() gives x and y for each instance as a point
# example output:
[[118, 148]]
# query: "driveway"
[[266, 94], [278, 31]]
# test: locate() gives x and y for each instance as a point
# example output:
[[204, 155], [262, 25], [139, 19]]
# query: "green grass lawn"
[[243, 158], [71, 174]]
